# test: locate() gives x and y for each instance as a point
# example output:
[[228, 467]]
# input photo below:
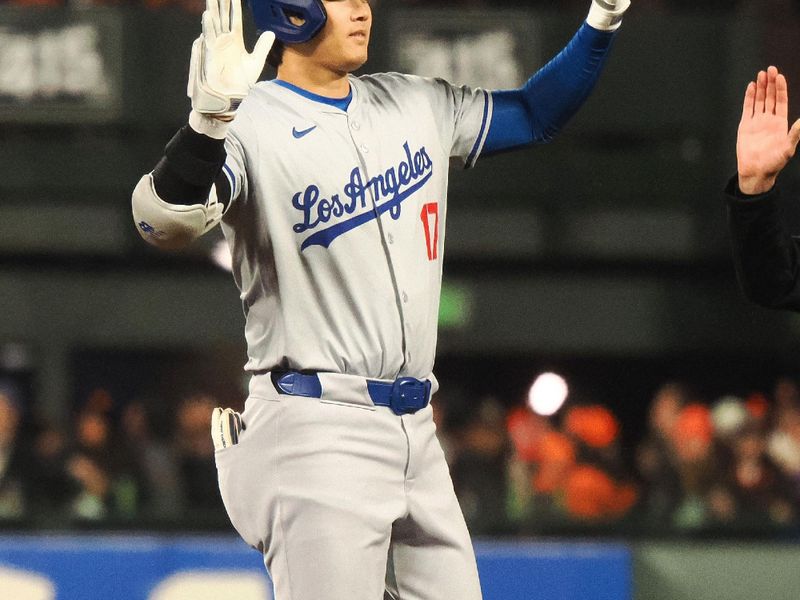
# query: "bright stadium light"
[[547, 394]]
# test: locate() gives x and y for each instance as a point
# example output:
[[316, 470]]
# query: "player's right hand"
[[765, 143], [606, 15], [222, 72]]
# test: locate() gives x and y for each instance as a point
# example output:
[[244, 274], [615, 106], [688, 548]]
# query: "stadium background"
[[602, 257]]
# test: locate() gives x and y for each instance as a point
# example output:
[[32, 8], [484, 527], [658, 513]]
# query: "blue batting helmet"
[[273, 15]]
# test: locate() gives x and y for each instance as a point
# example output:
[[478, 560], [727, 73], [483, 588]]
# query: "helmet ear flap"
[[292, 21]]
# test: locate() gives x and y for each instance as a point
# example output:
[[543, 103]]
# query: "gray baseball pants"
[[346, 501]]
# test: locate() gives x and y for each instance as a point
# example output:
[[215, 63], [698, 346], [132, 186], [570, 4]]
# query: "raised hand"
[[606, 15], [222, 71], [765, 143]]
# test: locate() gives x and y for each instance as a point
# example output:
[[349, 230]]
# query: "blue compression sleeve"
[[538, 110]]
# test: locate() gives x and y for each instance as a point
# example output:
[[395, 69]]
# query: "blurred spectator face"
[[749, 450], [590, 494], [557, 458], [664, 409], [693, 450], [750, 446], [757, 407], [93, 430], [99, 401], [526, 430], [649, 461], [91, 477], [9, 420], [194, 425], [595, 426], [487, 436], [692, 434], [788, 420], [485, 439], [49, 444], [134, 421]]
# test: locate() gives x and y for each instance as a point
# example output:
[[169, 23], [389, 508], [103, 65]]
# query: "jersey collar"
[[341, 103]]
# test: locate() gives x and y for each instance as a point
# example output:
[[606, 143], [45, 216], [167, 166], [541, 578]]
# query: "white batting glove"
[[226, 425], [221, 71], [606, 15]]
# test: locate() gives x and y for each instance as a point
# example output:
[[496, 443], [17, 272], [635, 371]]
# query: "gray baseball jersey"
[[337, 219]]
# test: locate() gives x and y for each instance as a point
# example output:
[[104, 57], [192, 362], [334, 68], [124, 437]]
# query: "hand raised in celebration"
[[222, 71], [765, 143], [606, 15]]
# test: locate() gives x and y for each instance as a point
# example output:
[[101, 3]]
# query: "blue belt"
[[405, 395]]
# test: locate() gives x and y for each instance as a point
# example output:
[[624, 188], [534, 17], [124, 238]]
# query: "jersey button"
[[355, 125], [405, 297], [365, 148], [390, 238]]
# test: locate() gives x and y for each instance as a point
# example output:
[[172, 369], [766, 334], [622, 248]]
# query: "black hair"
[[275, 56]]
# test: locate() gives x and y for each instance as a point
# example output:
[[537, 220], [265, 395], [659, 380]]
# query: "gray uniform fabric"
[[336, 230], [324, 284], [346, 500]]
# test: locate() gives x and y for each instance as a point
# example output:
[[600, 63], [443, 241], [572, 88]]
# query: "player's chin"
[[357, 51], [355, 61]]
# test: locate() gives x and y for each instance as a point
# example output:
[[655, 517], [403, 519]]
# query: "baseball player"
[[331, 191], [766, 255]]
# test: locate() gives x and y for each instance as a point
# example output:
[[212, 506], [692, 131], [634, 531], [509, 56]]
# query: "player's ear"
[[296, 20]]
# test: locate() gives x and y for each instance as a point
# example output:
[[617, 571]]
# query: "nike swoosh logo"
[[300, 134]]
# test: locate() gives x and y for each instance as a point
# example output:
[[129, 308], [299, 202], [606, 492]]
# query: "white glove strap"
[[606, 15], [205, 97], [213, 128]]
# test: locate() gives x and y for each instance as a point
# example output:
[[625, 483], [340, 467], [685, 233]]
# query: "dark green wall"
[[716, 572]]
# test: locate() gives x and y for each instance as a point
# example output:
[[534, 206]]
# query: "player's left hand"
[[606, 15], [222, 71]]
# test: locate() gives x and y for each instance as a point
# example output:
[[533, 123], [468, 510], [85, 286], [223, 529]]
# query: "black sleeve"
[[766, 256], [191, 164]]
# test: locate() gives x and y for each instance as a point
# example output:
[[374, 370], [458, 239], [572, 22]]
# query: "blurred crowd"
[[731, 466], [140, 463]]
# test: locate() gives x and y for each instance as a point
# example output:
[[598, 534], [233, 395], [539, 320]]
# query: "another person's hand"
[[765, 144]]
